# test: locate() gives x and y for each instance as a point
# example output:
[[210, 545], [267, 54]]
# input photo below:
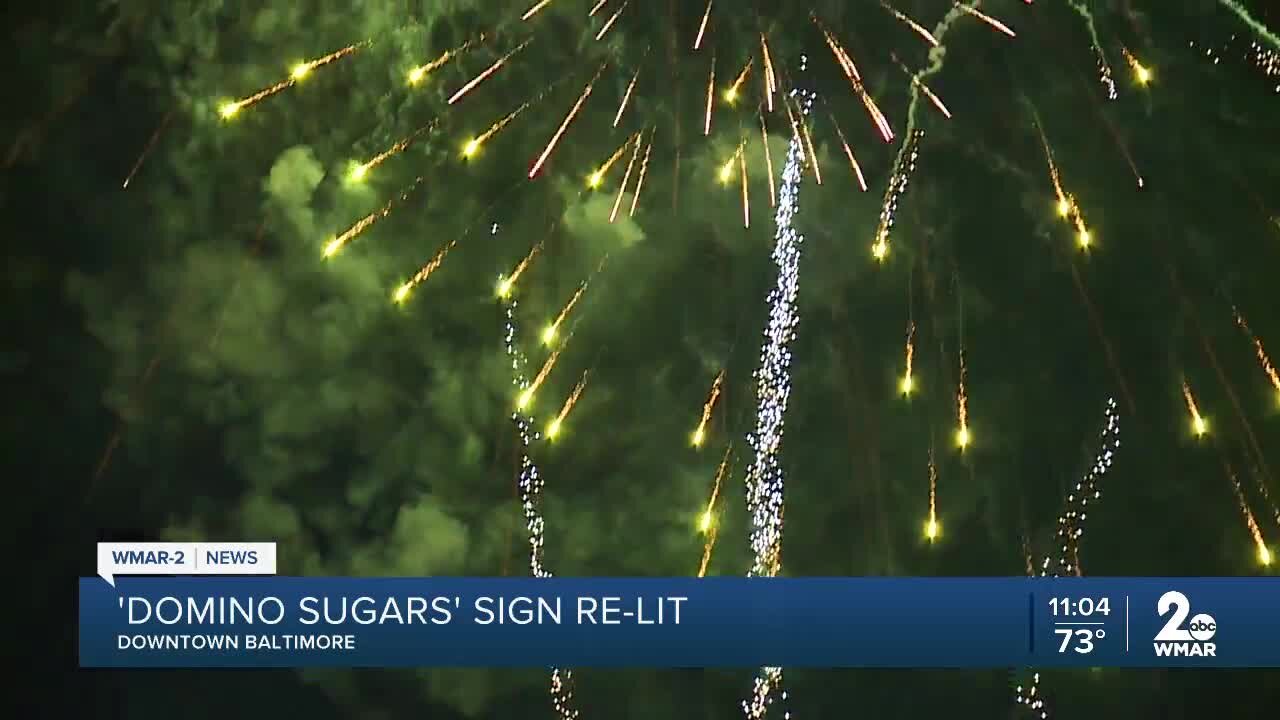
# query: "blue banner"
[[264, 622]]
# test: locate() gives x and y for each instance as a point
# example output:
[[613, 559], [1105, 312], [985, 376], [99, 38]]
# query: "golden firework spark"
[[812, 153], [917, 27], [770, 79], [848, 152], [915, 80], [402, 293], [731, 94], [855, 78], [335, 245], [419, 73], [711, 96], [702, 27], [1199, 425], [300, 71], [612, 19], [768, 161], [626, 177], [746, 200], [486, 74], [556, 425], [700, 434], [1141, 73], [644, 168], [931, 527], [1251, 524], [534, 10], [907, 384], [552, 329], [597, 177], [626, 98], [726, 170], [707, 520], [564, 125], [507, 283], [474, 144], [963, 437], [361, 171], [1261, 353], [988, 20], [526, 397]]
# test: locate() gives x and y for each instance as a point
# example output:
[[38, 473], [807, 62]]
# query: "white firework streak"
[[531, 484], [1067, 537], [773, 389]]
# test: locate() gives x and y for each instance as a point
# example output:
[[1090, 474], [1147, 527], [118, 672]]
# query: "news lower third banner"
[[260, 622]]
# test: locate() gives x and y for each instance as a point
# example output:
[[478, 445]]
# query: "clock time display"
[[1079, 607]]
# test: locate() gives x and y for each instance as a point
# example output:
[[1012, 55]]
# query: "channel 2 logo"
[[1175, 640]]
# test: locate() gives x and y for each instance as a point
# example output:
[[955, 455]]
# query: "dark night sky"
[[244, 388]]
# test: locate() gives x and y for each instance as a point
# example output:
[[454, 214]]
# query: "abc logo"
[[1202, 627]]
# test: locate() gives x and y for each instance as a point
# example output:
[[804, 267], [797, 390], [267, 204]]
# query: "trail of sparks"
[[361, 171], [626, 98], [773, 390], [768, 161], [526, 397], [334, 246], [746, 200], [556, 425], [146, 149], [855, 78], [1261, 353], [534, 10], [530, 485], [1251, 524], [596, 8], [299, 72], [507, 283], [726, 170], [402, 293], [551, 331], [1199, 425], [1104, 67], [1066, 207], [707, 524], [1263, 31], [917, 27], [486, 74], [812, 154], [907, 384], [474, 144], [770, 79], [626, 177], [564, 125], [418, 74], [711, 97], [848, 152], [700, 434], [931, 527], [702, 27], [963, 436], [644, 168], [987, 19], [731, 94], [612, 19], [1141, 73], [917, 82], [899, 179], [597, 177]]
